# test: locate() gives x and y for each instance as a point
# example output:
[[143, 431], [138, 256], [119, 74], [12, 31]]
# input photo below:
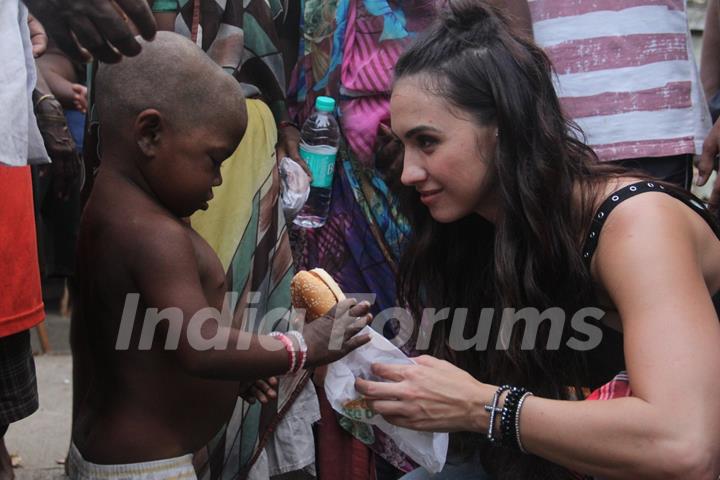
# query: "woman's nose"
[[412, 172]]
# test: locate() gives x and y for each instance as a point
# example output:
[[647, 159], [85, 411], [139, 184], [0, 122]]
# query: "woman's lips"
[[428, 196]]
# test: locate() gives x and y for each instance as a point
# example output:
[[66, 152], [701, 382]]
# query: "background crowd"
[[625, 73]]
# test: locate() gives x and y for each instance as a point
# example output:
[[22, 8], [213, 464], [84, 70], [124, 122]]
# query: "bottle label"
[[321, 160]]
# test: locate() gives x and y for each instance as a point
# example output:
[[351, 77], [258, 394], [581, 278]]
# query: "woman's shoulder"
[[610, 186], [654, 228], [617, 204], [647, 207]]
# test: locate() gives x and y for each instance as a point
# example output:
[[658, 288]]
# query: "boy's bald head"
[[173, 76]]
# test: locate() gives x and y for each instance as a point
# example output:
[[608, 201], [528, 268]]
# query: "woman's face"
[[447, 153]]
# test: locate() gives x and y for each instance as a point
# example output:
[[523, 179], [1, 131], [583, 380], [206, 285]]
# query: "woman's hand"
[[433, 395]]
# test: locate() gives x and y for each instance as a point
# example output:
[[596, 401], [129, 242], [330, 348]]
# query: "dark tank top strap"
[[602, 213]]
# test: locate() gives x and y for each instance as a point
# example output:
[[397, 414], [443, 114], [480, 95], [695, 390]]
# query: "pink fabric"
[[603, 53], [672, 95], [625, 74], [368, 63], [549, 9], [646, 148], [360, 122], [367, 72], [618, 387]]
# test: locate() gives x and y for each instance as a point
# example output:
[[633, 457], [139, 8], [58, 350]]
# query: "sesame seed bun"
[[315, 291]]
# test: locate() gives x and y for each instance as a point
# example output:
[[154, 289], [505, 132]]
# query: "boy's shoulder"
[[137, 234], [158, 251], [153, 234]]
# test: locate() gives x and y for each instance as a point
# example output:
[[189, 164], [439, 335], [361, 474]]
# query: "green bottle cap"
[[325, 104]]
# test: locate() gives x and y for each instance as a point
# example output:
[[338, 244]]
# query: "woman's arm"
[[648, 260]]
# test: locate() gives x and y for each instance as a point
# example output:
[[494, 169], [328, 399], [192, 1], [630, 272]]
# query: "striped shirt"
[[626, 74]]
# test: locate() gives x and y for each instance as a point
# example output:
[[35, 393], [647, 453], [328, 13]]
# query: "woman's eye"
[[426, 142]]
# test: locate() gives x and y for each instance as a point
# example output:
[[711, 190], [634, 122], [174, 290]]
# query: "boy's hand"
[[262, 390], [79, 97], [38, 37], [100, 26], [333, 335]]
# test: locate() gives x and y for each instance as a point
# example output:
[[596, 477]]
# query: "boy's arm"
[[60, 76], [165, 270]]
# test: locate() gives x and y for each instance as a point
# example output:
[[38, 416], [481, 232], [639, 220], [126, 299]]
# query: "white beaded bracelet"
[[517, 422]]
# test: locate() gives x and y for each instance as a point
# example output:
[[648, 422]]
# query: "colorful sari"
[[348, 51]]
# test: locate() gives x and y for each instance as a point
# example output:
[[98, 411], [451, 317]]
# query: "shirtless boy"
[[168, 119]]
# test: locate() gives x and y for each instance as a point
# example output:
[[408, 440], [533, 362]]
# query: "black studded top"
[[630, 191], [605, 361]]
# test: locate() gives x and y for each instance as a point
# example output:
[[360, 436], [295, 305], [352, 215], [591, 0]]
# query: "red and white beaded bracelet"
[[302, 353], [292, 358]]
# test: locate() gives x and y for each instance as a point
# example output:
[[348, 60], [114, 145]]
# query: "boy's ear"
[[149, 126]]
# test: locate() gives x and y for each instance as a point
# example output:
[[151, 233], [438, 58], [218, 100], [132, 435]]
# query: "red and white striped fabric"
[[618, 387], [626, 74]]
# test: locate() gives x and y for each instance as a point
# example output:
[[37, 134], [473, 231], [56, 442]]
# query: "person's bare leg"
[[6, 469]]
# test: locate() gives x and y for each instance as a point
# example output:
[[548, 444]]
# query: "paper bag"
[[426, 448]]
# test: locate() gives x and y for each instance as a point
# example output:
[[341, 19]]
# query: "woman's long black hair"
[[547, 182]]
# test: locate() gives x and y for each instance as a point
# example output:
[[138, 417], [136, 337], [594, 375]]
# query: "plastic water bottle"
[[319, 140]]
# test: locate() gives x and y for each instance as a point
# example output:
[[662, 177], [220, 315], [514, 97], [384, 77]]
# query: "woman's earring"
[[497, 133]]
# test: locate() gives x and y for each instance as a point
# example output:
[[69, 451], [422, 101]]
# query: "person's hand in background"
[[99, 27], [708, 163], [288, 145], [65, 166]]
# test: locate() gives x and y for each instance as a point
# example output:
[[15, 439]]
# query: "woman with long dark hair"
[[511, 213]]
